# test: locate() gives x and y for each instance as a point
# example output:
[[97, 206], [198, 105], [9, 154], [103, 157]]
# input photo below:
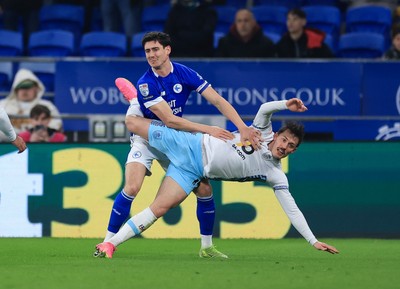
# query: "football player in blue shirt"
[[163, 92]]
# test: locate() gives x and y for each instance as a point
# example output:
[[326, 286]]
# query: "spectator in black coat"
[[191, 25], [245, 39], [301, 42]]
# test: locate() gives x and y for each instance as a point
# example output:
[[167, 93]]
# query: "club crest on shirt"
[[144, 89], [178, 88], [136, 154], [157, 134]]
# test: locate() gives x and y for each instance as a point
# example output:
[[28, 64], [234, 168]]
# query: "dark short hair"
[[296, 128], [38, 110], [163, 38], [298, 12]]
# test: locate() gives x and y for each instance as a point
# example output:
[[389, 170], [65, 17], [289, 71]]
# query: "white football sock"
[[135, 226], [206, 241]]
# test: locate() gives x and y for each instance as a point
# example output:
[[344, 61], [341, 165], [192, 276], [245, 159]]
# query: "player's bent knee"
[[132, 189]]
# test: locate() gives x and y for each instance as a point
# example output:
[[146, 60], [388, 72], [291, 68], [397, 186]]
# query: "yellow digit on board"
[[104, 175]]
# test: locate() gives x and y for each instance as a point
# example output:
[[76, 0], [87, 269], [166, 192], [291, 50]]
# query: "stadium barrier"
[[344, 189]]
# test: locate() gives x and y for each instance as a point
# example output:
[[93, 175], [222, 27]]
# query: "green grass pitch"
[[165, 263]]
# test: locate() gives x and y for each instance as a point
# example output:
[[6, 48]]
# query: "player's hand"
[[20, 144], [252, 136], [220, 133], [325, 247], [296, 105]]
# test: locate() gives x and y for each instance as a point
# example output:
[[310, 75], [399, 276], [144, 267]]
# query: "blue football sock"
[[206, 215], [120, 211]]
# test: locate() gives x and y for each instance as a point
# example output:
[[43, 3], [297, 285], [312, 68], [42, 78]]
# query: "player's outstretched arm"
[[20, 144], [325, 247]]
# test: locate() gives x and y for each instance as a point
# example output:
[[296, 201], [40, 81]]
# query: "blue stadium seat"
[[45, 71], [361, 45], [372, 18], [325, 18], [103, 44], [136, 45], [331, 42], [290, 4], [275, 37], [6, 73], [11, 43], [154, 17], [226, 17], [63, 17], [217, 36], [51, 43], [271, 18]]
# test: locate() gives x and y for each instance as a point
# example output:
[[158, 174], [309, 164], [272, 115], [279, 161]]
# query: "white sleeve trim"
[[153, 102]]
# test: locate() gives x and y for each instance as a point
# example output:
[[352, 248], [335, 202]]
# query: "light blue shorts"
[[184, 151]]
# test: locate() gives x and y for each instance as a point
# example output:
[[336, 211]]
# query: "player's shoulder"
[[181, 68], [147, 77]]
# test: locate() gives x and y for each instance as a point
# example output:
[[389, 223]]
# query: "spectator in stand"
[[123, 14], [191, 25], [394, 52], [301, 42], [40, 118], [27, 91], [245, 39], [26, 10]]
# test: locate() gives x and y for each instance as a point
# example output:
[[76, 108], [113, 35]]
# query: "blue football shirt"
[[175, 89]]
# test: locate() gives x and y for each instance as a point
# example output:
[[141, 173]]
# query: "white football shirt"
[[231, 161]]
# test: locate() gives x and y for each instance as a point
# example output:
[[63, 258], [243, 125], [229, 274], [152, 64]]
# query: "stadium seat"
[[103, 44], [361, 45], [11, 43], [154, 17], [325, 18], [377, 19], [271, 18], [273, 36], [51, 43], [63, 17], [6, 72], [290, 4], [136, 45], [331, 42], [217, 36], [45, 71], [226, 17]]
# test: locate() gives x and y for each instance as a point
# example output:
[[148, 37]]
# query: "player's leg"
[[206, 217], [170, 194], [138, 125], [138, 165], [134, 177]]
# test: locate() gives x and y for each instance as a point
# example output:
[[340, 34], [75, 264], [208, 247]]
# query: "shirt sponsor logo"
[[178, 88], [144, 89]]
